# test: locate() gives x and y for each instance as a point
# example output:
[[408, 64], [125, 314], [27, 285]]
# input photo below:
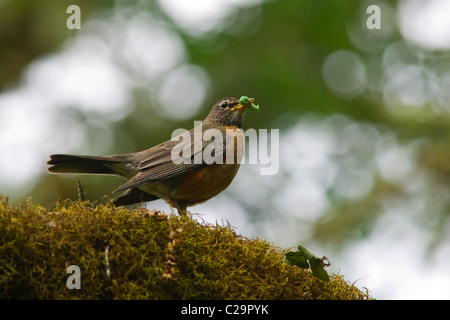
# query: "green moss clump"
[[151, 256]]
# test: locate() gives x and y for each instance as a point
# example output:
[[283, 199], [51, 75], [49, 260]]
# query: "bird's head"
[[230, 111]]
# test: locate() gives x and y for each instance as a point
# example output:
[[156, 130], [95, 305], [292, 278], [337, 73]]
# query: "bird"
[[153, 174]]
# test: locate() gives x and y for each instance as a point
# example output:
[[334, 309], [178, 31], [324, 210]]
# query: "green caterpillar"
[[246, 100]]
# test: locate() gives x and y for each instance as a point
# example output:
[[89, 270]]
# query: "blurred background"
[[363, 116]]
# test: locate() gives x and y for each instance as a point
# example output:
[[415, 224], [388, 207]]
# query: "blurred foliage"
[[273, 51], [29, 30]]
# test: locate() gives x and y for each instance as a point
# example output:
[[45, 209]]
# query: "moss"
[[151, 256]]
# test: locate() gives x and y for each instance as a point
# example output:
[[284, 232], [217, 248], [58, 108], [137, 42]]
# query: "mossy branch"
[[142, 254]]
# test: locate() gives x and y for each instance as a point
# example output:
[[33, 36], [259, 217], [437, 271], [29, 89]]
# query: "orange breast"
[[204, 183]]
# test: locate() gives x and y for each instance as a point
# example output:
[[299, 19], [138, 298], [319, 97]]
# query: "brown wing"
[[157, 164]]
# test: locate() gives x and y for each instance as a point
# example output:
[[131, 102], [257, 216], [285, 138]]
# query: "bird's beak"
[[242, 107]]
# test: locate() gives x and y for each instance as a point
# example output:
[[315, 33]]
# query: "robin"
[[153, 174]]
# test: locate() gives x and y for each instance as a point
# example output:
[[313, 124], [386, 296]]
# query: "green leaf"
[[296, 259], [303, 258], [318, 269]]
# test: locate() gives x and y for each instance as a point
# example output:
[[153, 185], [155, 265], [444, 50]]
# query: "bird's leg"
[[182, 211], [180, 205]]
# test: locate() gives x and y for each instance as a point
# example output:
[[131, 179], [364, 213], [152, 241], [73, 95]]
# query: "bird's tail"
[[66, 163]]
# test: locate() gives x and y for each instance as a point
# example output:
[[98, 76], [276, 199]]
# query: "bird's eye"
[[223, 104]]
